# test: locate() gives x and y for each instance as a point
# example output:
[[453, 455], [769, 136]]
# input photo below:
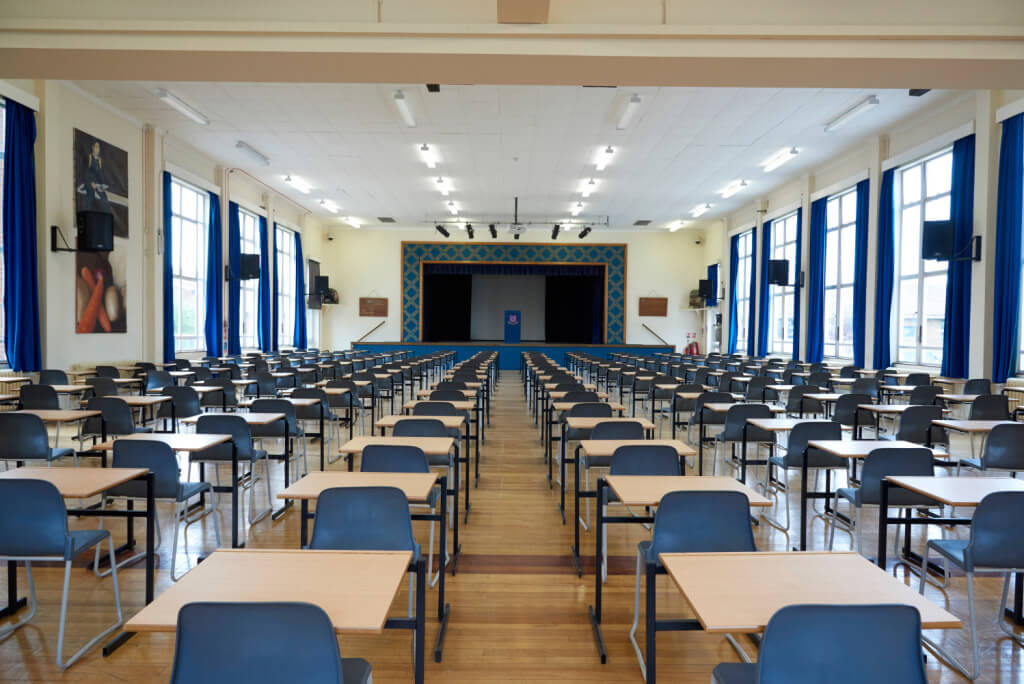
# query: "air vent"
[[385, 219], [642, 222], [433, 87], [918, 92]]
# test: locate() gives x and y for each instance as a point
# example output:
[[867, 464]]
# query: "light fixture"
[[429, 155], [779, 158], [585, 232], [576, 209], [554, 231], [442, 186], [732, 188], [700, 210], [353, 221], [494, 231], [587, 187], [298, 183], [329, 206], [629, 113], [403, 109], [677, 224], [604, 157], [183, 107], [861, 106], [253, 152], [469, 230], [452, 209], [442, 230]]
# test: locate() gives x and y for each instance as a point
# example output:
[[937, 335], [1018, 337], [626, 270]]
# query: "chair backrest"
[[756, 389], [711, 398], [362, 519], [820, 378], [990, 407], [38, 397], [395, 458], [53, 377], [846, 408], [226, 424], [107, 372], [419, 427], [434, 408], [796, 401], [736, 417], [25, 437], [702, 522], [996, 530], [1004, 448], [848, 372], [255, 643], [311, 412], [978, 386], [868, 386], [185, 400], [597, 409], [916, 379], [881, 463], [182, 364], [116, 414], [915, 423], [450, 385], [447, 395], [275, 406], [809, 644], [158, 379], [33, 519], [802, 433], [578, 396], [202, 374], [102, 386], [645, 459], [924, 395], [618, 429], [152, 454]]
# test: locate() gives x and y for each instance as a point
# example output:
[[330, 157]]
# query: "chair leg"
[[636, 617], [1007, 630], [430, 555], [63, 665], [10, 629]]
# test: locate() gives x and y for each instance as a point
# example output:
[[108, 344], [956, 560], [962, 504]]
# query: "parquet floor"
[[519, 613]]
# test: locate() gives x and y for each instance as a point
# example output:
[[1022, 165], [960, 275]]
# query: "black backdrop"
[[447, 302]]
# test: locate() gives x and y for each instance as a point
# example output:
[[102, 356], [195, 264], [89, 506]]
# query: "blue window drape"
[[234, 284], [214, 327], [168, 273], [764, 312], [300, 295], [1009, 225], [796, 284], [860, 274], [264, 328], [956, 335], [752, 308], [885, 271], [21, 277], [274, 326], [734, 264], [816, 281], [713, 279]]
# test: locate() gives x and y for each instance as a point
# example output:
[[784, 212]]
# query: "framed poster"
[[101, 179], [376, 307], [654, 306]]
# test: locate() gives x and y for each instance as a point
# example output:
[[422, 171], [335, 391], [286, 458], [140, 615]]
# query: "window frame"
[[744, 274], [196, 342], [783, 295], [285, 265], [835, 344], [248, 296]]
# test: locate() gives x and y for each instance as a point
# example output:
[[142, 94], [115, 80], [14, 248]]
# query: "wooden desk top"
[[606, 447], [561, 395], [9, 397], [335, 391], [203, 389], [724, 406], [860, 448], [970, 426], [310, 401], [416, 486], [567, 405], [824, 396], [181, 374], [70, 389], [282, 374], [143, 400], [355, 588], [127, 381], [77, 483], [886, 408], [958, 491], [688, 395], [779, 424], [449, 421], [179, 441], [61, 415], [668, 386], [648, 490], [781, 388], [425, 393], [959, 398], [242, 382], [432, 446], [718, 587], [250, 418], [898, 388], [14, 378], [578, 422], [459, 405]]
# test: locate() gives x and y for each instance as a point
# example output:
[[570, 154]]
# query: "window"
[[840, 250], [312, 315], [285, 287], [922, 194], [744, 271], [248, 306], [189, 219], [781, 297], [3, 146]]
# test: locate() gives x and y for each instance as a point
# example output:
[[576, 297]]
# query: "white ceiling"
[[496, 142]]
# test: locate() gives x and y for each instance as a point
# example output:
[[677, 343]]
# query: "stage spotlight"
[[441, 229], [469, 230], [585, 232], [494, 231], [554, 231]]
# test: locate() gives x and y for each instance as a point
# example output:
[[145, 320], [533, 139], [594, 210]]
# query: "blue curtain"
[[300, 295], [734, 264], [264, 328], [274, 342], [752, 309], [886, 269], [860, 275], [956, 335], [1009, 225], [713, 279], [21, 278], [816, 282], [234, 284], [168, 274], [796, 284], [214, 281], [764, 312]]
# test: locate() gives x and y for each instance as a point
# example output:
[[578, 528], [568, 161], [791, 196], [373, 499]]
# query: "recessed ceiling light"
[[732, 188], [182, 106], [700, 210], [298, 183], [587, 187], [629, 113], [353, 221], [779, 158], [403, 109], [861, 106], [676, 225], [429, 155], [604, 156]]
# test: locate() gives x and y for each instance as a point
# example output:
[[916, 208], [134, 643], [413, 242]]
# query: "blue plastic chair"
[[26, 439], [260, 643], [241, 436], [34, 527], [810, 644]]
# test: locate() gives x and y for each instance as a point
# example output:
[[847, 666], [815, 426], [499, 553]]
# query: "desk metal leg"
[[652, 624], [14, 604]]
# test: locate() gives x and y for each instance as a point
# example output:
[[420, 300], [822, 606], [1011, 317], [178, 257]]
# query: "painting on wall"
[[101, 179], [100, 292]]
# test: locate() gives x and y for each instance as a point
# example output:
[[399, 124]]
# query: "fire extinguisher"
[[693, 348]]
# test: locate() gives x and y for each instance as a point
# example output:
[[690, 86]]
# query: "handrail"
[[371, 331], [655, 334]]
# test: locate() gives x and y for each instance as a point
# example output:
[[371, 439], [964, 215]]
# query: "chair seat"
[[59, 453], [850, 494], [83, 540], [734, 673], [972, 463], [812, 462], [577, 434], [189, 489], [256, 455], [644, 549], [439, 459], [953, 549], [143, 428], [596, 461]]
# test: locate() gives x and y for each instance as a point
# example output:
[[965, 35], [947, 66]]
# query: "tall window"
[[744, 272], [189, 223], [922, 194], [840, 240], [285, 287], [3, 146], [781, 296], [249, 230]]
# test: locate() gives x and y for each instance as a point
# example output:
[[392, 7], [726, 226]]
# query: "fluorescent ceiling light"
[[700, 210], [779, 158], [403, 109], [587, 187], [353, 221], [253, 152], [183, 107], [429, 155], [629, 113], [298, 183], [443, 186], [732, 188], [576, 209], [676, 225], [452, 209], [861, 106], [603, 157], [329, 206]]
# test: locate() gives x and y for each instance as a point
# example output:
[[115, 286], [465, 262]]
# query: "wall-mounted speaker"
[[95, 231]]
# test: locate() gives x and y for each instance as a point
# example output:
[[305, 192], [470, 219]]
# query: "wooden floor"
[[519, 613]]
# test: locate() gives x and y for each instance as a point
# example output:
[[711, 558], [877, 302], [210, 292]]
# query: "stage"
[[509, 354]]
